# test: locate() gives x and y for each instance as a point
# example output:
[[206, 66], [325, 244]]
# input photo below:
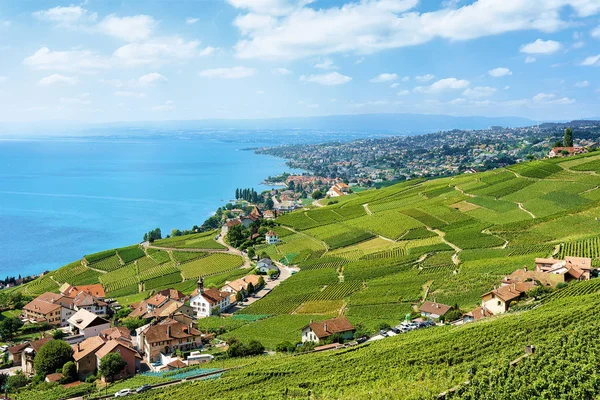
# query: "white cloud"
[[406, 79], [228, 73], [591, 61], [191, 21], [595, 33], [158, 51], [541, 47], [403, 93], [457, 101], [359, 61], [128, 93], [130, 29], [330, 79], [281, 71], [151, 78], [325, 64], [65, 16], [549, 98], [82, 99], [444, 85], [395, 85], [499, 72], [582, 84], [385, 77], [71, 60], [167, 106], [5, 23], [291, 30], [58, 79], [423, 78], [479, 91]]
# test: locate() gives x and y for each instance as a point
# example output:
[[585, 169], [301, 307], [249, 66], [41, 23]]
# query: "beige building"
[[167, 336]]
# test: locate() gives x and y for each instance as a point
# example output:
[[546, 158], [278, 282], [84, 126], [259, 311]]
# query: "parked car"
[[396, 330], [362, 339], [143, 388], [383, 333], [124, 392]]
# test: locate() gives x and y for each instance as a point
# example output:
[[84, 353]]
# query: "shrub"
[[52, 356]]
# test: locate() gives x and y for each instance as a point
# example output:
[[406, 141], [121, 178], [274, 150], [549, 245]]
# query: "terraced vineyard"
[[210, 265], [204, 240], [107, 264], [581, 248]]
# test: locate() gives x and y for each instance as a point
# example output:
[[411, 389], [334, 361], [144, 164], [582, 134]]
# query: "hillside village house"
[[558, 151], [285, 206], [167, 336], [571, 268], [266, 265], [271, 237], [52, 308], [15, 352], [88, 355], [87, 324], [498, 300], [206, 302], [28, 355], [270, 214], [128, 354], [434, 310], [317, 331], [339, 189], [84, 300], [95, 290], [240, 285]]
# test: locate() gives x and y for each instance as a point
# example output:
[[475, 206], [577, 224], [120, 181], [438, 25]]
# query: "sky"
[[103, 61]]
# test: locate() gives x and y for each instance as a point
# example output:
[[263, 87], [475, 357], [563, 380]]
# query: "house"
[[95, 290], [54, 378], [84, 300], [166, 337], [87, 323], [317, 331], [118, 333], [28, 355], [571, 268], [15, 352], [240, 285], [84, 354], [271, 237], [173, 294], [128, 354], [265, 266], [498, 300], [206, 302], [477, 314], [569, 151], [176, 364], [339, 189], [433, 310], [232, 222], [270, 215], [285, 206], [40, 310]]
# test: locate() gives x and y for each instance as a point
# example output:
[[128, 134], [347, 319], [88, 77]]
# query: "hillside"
[[375, 256]]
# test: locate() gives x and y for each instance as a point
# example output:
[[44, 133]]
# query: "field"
[[210, 265], [194, 241]]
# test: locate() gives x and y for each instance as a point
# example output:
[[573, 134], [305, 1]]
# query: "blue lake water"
[[63, 198]]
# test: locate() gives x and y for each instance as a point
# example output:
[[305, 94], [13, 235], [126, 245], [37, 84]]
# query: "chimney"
[[325, 327], [168, 330]]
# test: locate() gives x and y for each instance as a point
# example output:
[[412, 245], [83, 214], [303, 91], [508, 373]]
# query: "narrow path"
[[527, 211], [366, 206], [457, 249], [426, 287], [96, 269], [317, 203], [463, 192]]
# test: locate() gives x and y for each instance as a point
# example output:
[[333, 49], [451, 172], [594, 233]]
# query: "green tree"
[[269, 204], [16, 381], [69, 372], [239, 297], [133, 323], [568, 139], [58, 334], [261, 281], [317, 194], [250, 288], [52, 356], [251, 252], [111, 364], [285, 347], [9, 327]]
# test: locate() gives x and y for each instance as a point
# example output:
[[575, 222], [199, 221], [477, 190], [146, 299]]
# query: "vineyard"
[[128, 254], [107, 264], [204, 240], [581, 248], [210, 265]]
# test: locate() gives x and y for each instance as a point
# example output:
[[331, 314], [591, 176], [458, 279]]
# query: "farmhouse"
[[28, 355], [271, 237], [168, 336], [270, 214], [339, 189], [87, 324], [434, 309], [569, 151], [84, 300], [265, 266], [95, 290], [476, 314], [498, 300], [88, 355], [49, 308], [240, 285], [15, 352], [128, 354], [317, 331], [206, 302]]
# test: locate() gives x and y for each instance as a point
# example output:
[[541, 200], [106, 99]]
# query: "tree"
[[251, 252], [269, 204], [133, 323], [317, 194], [175, 232], [16, 381], [111, 364], [58, 334], [9, 327], [261, 281], [239, 296], [52, 356], [568, 140], [250, 288], [3, 381], [285, 347], [69, 372]]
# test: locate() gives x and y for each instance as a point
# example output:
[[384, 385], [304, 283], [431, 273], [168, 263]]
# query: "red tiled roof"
[[434, 308], [169, 329], [329, 327]]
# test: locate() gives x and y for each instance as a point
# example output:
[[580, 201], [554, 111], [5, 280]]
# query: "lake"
[[62, 198]]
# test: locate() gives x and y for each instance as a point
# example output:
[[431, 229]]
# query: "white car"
[[124, 392]]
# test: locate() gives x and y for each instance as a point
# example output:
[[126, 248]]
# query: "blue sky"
[[165, 60]]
